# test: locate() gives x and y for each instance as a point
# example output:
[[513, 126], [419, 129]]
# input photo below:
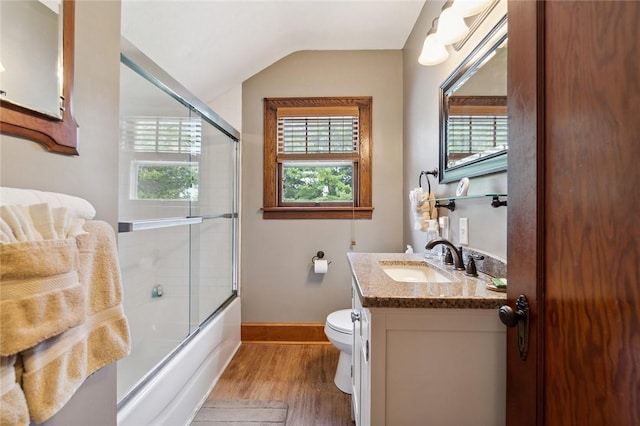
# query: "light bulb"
[[451, 27], [1, 67], [433, 52], [466, 8]]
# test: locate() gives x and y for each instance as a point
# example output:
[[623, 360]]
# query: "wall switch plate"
[[463, 230]]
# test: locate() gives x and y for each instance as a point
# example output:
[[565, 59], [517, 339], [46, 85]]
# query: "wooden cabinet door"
[[574, 118]]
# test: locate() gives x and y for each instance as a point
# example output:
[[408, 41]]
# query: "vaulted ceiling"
[[211, 46]]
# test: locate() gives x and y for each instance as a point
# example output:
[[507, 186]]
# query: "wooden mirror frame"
[[57, 135]]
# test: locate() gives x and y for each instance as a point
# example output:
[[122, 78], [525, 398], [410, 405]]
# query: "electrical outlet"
[[463, 230]]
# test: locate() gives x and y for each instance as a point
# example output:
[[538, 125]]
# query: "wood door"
[[574, 106]]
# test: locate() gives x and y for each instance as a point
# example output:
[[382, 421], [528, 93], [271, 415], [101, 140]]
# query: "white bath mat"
[[218, 412]]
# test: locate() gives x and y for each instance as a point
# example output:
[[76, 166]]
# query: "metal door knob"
[[509, 317], [355, 316], [520, 318]]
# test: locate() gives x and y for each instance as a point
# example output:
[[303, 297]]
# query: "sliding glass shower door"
[[178, 221], [213, 266]]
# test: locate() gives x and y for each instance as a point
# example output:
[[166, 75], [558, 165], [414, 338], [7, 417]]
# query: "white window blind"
[[470, 134], [176, 135], [318, 135]]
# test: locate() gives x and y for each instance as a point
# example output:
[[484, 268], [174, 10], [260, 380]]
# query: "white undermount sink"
[[413, 273]]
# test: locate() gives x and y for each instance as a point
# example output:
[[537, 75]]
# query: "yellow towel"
[[55, 368], [35, 306], [427, 210], [13, 406], [40, 293], [60, 308]]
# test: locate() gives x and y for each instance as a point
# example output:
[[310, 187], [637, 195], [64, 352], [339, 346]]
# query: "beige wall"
[[229, 106], [487, 226], [93, 175], [277, 283]]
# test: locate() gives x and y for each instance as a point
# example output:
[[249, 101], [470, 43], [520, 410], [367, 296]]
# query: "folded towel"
[[55, 368], [40, 292], [13, 406], [431, 210], [424, 208], [416, 198], [37, 222], [78, 207]]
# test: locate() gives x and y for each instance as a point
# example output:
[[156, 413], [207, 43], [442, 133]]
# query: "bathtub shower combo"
[[178, 245]]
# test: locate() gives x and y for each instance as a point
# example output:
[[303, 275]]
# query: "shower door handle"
[[139, 225], [220, 216]]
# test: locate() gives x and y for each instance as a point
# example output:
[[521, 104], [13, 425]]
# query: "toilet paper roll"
[[320, 266]]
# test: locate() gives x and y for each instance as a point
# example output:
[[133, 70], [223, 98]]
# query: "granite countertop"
[[377, 290]]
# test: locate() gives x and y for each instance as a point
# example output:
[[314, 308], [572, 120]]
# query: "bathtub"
[[173, 395]]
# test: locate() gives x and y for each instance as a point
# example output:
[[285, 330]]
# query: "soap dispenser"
[[444, 232], [432, 234]]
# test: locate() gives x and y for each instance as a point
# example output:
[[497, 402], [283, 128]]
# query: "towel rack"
[[139, 225], [426, 173], [450, 202]]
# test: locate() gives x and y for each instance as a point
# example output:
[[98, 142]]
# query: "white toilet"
[[338, 329]]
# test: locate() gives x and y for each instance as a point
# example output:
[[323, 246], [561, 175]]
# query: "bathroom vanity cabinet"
[[425, 365]]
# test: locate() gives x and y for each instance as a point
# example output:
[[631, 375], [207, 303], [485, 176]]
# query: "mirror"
[[30, 58], [36, 72], [473, 111]]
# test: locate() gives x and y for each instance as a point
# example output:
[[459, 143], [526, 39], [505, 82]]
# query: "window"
[[164, 180], [317, 158], [476, 128], [171, 135], [173, 143]]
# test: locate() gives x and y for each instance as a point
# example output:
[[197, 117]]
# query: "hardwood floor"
[[298, 374]]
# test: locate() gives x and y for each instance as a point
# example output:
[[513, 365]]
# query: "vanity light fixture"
[[467, 8], [1, 67], [433, 52], [450, 28]]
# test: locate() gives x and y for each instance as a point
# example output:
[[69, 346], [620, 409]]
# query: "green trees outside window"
[[314, 184], [167, 182]]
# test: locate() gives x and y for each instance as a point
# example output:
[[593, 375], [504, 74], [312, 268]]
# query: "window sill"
[[317, 213]]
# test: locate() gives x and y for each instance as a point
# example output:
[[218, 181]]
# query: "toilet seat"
[[340, 321]]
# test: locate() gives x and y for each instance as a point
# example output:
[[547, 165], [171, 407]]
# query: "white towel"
[[78, 207], [423, 206]]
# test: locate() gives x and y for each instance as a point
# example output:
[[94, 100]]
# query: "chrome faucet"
[[456, 252]]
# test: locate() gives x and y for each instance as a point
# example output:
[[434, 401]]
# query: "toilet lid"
[[340, 320]]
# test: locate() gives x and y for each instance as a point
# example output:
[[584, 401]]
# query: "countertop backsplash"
[[490, 265]]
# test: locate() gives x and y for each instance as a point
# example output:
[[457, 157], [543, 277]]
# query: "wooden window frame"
[[477, 105], [362, 207]]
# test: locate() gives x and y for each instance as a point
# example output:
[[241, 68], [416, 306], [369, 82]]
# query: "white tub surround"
[[174, 395]]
